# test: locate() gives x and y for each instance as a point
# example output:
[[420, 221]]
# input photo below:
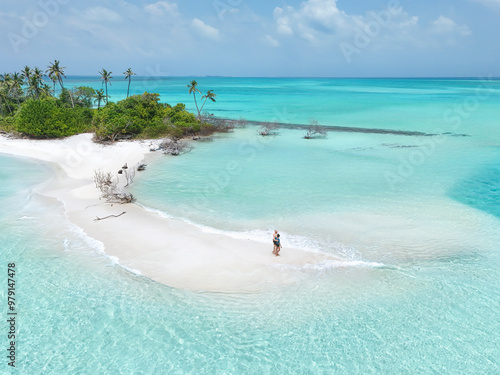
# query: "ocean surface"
[[413, 209]]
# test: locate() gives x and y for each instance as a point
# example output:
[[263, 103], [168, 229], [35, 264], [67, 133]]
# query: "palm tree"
[[210, 95], [99, 94], [35, 82], [26, 73], [5, 90], [54, 80], [17, 78], [106, 77], [45, 90], [128, 75], [10, 90], [5, 78], [15, 88], [2, 97], [37, 74], [193, 90], [56, 74], [32, 89]]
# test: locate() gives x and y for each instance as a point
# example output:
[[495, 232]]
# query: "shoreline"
[[166, 250]]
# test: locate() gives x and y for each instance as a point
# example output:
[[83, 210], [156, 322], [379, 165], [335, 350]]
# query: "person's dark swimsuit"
[[276, 241]]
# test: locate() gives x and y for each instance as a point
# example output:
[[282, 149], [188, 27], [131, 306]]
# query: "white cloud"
[[445, 25], [162, 7], [283, 22], [322, 11], [322, 23], [101, 14], [313, 20], [319, 21], [205, 30], [273, 42]]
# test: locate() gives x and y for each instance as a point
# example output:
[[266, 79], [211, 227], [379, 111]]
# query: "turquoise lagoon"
[[415, 217]]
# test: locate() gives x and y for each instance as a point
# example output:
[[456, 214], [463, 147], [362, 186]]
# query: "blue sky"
[[329, 38]]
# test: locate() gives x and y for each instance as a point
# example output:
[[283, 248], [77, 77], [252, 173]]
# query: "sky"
[[258, 38]]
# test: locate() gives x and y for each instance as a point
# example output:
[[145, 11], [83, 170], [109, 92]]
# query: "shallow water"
[[343, 194], [419, 294]]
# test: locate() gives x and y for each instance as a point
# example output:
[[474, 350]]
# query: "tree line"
[[31, 107]]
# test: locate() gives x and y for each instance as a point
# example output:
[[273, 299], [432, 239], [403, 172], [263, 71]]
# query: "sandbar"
[[166, 250]]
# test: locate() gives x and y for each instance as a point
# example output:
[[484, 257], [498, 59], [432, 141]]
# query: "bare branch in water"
[[175, 146], [269, 128], [315, 130]]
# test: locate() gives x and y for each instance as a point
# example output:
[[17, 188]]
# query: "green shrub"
[[110, 121], [8, 124], [182, 122], [45, 119], [156, 129], [64, 99]]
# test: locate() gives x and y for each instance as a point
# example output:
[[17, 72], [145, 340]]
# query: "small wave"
[[132, 270], [116, 261], [91, 242], [158, 212], [96, 245], [330, 265]]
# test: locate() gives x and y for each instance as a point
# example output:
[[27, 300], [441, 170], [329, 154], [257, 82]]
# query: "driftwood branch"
[[109, 188], [102, 218]]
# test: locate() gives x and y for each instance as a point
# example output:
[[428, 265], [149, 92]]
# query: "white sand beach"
[[168, 251]]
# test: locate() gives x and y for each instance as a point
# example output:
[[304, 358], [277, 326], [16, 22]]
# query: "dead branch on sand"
[[109, 188], [105, 217]]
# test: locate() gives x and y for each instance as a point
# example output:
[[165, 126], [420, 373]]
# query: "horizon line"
[[299, 77]]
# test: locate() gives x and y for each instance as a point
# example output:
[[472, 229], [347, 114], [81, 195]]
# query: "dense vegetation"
[[143, 116], [30, 107], [47, 118]]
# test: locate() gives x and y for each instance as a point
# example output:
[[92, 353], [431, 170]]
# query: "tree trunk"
[[203, 105], [196, 103], [69, 92]]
